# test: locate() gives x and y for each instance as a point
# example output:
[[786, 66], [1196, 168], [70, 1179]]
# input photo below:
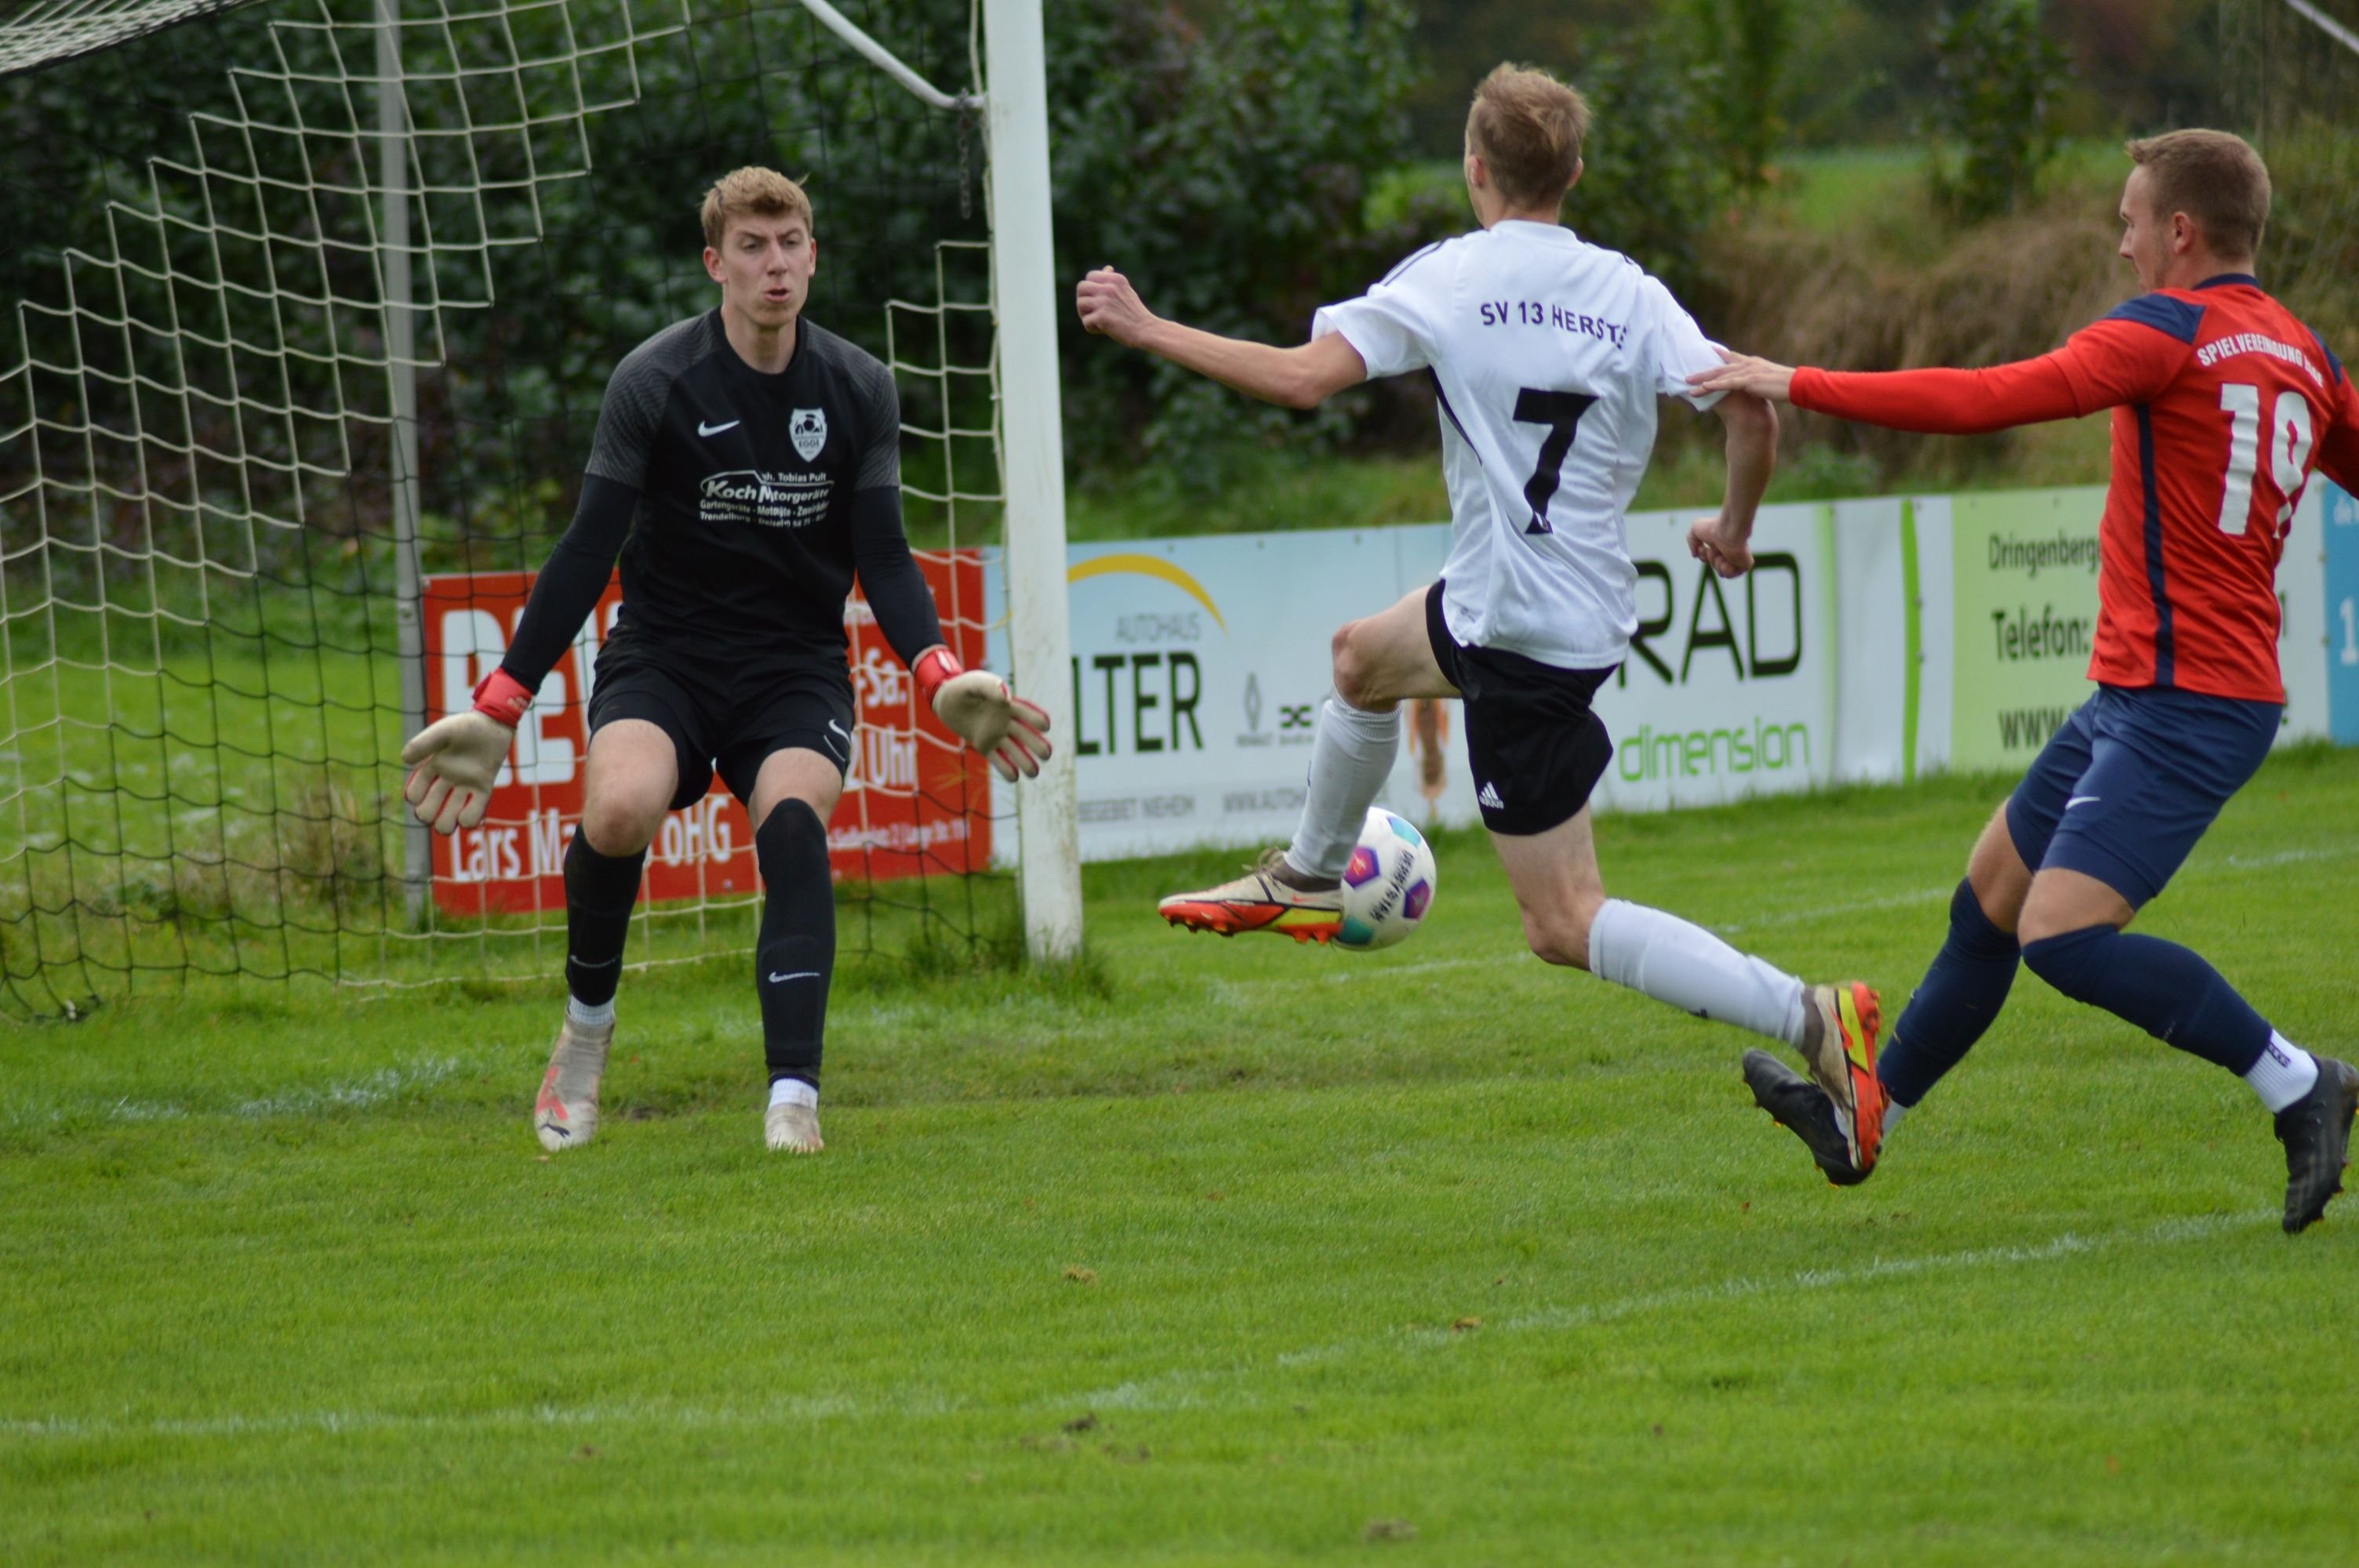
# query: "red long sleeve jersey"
[[2223, 404]]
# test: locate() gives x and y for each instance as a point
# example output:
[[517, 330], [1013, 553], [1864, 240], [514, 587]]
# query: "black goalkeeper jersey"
[[743, 541]]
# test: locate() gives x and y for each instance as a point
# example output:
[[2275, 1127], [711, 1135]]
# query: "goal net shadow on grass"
[[201, 705]]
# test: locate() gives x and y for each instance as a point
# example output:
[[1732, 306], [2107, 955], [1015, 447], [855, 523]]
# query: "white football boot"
[[1262, 900], [792, 1129], [566, 1114]]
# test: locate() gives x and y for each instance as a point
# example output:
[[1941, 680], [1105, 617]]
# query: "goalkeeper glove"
[[978, 708], [456, 760]]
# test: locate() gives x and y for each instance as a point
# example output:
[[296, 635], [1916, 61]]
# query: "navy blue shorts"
[[2124, 789]]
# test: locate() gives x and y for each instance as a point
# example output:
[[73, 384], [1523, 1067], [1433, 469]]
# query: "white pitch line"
[[1829, 911], [2213, 870], [1590, 1315], [1164, 1391], [2069, 1245], [360, 1094], [378, 1088]]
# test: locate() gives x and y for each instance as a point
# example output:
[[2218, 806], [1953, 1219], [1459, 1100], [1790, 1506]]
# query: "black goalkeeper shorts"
[[726, 718], [1537, 747]]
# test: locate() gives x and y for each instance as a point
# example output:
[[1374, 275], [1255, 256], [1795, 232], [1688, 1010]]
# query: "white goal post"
[[1031, 420], [1024, 292]]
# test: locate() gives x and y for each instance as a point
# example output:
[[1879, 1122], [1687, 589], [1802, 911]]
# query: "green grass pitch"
[[1213, 1252]]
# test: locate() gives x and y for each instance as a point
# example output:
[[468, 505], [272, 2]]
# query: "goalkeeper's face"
[[764, 267]]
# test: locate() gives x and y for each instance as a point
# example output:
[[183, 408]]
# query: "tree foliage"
[[1225, 168], [1744, 49], [1999, 76]]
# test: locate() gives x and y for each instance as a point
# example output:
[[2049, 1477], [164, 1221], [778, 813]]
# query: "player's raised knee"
[[1353, 668]]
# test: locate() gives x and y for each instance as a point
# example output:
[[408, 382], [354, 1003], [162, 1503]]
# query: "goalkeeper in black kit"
[[746, 464]]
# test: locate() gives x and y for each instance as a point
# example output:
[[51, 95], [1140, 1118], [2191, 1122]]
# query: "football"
[[1388, 886]]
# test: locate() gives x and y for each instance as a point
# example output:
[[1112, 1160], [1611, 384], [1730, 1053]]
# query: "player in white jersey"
[[1546, 355]]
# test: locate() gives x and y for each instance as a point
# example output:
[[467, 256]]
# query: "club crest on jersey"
[[808, 430]]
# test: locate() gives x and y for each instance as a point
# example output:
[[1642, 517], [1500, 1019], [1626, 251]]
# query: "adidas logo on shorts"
[[1490, 797]]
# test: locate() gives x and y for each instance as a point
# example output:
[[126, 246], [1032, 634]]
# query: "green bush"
[[1745, 45], [1225, 169], [1999, 77], [1653, 183]]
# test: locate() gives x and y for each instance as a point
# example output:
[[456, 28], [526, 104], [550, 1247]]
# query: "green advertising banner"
[[2024, 565]]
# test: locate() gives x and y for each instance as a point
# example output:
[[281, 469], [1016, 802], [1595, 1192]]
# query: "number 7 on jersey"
[[1560, 412]]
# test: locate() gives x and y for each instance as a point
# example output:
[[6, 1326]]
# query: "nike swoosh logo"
[[798, 975], [2081, 800], [704, 429]]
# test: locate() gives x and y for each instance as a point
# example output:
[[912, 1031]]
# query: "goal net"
[[306, 307]]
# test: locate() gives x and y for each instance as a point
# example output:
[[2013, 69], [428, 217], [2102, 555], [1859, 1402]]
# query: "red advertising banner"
[[916, 802]]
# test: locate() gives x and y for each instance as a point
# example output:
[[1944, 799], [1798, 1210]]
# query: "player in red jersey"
[[2224, 404]]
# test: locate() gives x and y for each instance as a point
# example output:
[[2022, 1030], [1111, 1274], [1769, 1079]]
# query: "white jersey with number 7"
[[1548, 354]]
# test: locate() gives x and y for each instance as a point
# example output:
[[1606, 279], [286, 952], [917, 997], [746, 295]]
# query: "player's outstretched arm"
[[1745, 373], [1300, 377], [1723, 542], [2111, 361], [454, 761], [975, 705]]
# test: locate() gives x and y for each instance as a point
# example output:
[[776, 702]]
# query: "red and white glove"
[[455, 760], [978, 709]]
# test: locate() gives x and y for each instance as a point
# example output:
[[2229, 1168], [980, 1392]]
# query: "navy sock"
[[2164, 988], [794, 958], [1954, 1003], [599, 893]]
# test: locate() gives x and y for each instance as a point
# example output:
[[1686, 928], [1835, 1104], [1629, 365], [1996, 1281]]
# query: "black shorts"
[[724, 716], [1537, 748]]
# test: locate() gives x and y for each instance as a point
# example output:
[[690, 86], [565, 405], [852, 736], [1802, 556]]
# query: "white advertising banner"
[[1729, 688], [1199, 666]]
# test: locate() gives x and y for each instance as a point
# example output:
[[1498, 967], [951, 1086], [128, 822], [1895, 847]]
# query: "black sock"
[[1958, 999], [795, 956], [599, 893]]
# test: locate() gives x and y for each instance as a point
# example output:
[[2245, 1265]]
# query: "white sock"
[[2284, 1073], [1893, 1111], [589, 1017], [1671, 960], [793, 1091], [1351, 754]]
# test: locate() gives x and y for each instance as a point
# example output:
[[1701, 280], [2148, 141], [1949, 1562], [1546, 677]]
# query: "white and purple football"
[[1388, 886]]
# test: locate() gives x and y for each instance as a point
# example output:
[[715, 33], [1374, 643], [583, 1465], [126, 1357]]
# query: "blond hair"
[[1527, 128], [751, 192], [2215, 178]]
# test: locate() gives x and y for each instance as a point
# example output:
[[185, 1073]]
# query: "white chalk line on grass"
[[1171, 1390], [1589, 1314], [2220, 869], [394, 1083], [384, 1084]]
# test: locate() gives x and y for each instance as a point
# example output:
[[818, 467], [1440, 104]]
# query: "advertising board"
[[1200, 665], [2023, 567], [2342, 641], [914, 801]]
